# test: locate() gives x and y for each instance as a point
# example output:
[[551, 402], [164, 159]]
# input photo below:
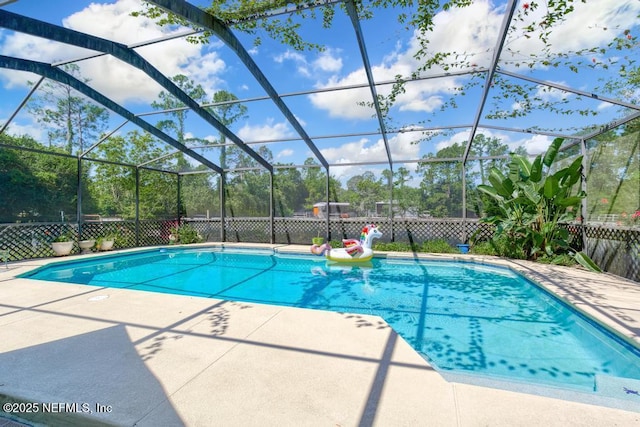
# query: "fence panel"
[[33, 240], [614, 249]]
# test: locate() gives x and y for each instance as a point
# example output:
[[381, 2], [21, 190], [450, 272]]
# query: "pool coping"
[[607, 298]]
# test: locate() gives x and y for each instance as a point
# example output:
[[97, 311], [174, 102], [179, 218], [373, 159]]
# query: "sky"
[[337, 121]]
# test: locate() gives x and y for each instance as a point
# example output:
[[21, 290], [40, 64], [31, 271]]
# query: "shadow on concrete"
[[80, 373], [370, 410], [589, 292]]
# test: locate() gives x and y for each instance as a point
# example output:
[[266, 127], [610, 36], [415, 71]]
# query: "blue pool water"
[[462, 317]]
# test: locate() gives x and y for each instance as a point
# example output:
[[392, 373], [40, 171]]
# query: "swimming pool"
[[462, 317]]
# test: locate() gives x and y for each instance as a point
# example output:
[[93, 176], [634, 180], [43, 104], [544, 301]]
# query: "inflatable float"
[[354, 250]]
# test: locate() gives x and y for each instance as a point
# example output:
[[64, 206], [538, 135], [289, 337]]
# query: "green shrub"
[[186, 234], [563, 259], [393, 247], [483, 248], [438, 246], [66, 236]]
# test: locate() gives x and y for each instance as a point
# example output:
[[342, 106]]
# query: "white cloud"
[[284, 153], [266, 132], [459, 138], [426, 105], [344, 103], [470, 31], [17, 79], [550, 94], [604, 106], [358, 151], [475, 28], [297, 58], [533, 144], [365, 150], [33, 130], [604, 20], [402, 147], [290, 55], [328, 62], [115, 79]]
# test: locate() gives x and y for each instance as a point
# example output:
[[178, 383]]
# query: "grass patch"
[[438, 246]]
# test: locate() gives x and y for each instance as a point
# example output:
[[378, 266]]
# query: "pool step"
[[618, 387]]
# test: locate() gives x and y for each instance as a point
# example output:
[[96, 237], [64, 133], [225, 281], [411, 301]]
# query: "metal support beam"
[[328, 200], [601, 130], [137, 206], [270, 11], [463, 238], [203, 19], [79, 199], [355, 21], [24, 101], [272, 235], [179, 198], [583, 186], [320, 90], [156, 159], [223, 211], [570, 90], [57, 74], [506, 21], [609, 126], [49, 31], [104, 138]]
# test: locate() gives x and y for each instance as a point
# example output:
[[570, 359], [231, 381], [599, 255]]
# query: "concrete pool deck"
[[138, 358]]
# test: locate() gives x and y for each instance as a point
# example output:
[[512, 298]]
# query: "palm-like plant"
[[532, 200]]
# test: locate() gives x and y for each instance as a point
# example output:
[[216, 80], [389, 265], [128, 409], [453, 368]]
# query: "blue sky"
[[471, 30]]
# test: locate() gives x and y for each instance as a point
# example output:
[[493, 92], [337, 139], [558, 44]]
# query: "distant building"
[[338, 209]]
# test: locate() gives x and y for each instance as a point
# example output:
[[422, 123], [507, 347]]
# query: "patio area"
[[136, 358]]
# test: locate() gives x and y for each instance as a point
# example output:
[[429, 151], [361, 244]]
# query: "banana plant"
[[532, 199]]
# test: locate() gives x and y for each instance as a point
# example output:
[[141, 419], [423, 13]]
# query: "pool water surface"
[[462, 317]]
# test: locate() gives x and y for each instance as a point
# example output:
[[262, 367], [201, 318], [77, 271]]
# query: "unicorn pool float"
[[354, 250]]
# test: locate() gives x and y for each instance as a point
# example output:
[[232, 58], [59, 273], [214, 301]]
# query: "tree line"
[[41, 187]]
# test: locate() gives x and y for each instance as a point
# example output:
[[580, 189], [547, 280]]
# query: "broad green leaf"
[[509, 188], [562, 243], [524, 166], [548, 227], [560, 175], [575, 165], [536, 170], [552, 151], [491, 191], [497, 180], [538, 238], [569, 201], [551, 187], [514, 170], [584, 260], [531, 193], [573, 173], [524, 201], [562, 233]]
